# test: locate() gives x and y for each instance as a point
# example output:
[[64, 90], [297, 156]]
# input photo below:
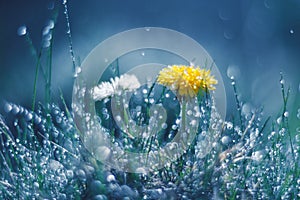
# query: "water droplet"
[[22, 30], [286, 114], [78, 70], [193, 123], [147, 29], [145, 91], [233, 71], [46, 30], [118, 118], [15, 109], [298, 129], [37, 119], [7, 107], [167, 95], [143, 53], [164, 126], [282, 81], [279, 119], [229, 125], [64, 2], [81, 174], [257, 156], [229, 35], [225, 140], [291, 31], [110, 178], [50, 24], [46, 44], [28, 117], [189, 112]]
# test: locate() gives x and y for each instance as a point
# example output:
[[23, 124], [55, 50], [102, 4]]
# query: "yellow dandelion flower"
[[186, 80]]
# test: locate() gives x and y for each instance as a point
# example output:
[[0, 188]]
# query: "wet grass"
[[42, 156]]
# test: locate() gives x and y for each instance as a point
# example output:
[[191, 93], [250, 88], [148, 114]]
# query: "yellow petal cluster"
[[186, 80]]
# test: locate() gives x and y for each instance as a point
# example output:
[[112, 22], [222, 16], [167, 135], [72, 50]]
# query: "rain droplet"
[[143, 53], [278, 120], [110, 178], [50, 24], [164, 126], [118, 118], [286, 114], [46, 30], [233, 71], [225, 140], [22, 30], [78, 70], [7, 107], [282, 81], [189, 112], [168, 95], [15, 109], [229, 35], [291, 31], [145, 91], [229, 125], [46, 44]]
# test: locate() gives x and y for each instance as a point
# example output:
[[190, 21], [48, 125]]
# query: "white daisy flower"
[[106, 89]]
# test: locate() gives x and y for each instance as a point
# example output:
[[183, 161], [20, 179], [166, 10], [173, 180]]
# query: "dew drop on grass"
[[164, 126], [46, 44], [233, 72], [225, 140], [22, 30], [7, 107], [50, 24]]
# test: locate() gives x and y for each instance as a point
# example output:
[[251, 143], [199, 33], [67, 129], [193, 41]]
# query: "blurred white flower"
[[103, 90], [106, 89]]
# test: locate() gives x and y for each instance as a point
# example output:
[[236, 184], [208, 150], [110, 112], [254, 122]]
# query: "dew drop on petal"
[[22, 30]]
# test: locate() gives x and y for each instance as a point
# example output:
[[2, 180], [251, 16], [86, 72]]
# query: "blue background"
[[255, 38]]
